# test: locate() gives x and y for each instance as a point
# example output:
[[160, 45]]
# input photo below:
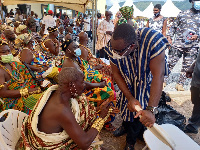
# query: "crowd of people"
[[48, 71]]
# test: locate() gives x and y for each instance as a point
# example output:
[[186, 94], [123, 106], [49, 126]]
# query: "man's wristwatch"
[[154, 110]]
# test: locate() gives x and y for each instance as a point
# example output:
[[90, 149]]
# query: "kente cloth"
[[84, 113], [106, 70], [135, 68], [127, 12], [21, 103], [47, 54], [93, 76]]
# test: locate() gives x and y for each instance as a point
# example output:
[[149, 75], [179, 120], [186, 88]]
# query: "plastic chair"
[[10, 129], [181, 140]]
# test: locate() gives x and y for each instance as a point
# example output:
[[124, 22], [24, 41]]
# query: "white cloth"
[[8, 20], [87, 24], [53, 137], [103, 38], [99, 21], [49, 21]]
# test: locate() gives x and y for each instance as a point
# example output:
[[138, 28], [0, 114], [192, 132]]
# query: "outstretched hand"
[[104, 107]]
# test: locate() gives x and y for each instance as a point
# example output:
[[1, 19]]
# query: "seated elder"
[[63, 118], [87, 55], [18, 89]]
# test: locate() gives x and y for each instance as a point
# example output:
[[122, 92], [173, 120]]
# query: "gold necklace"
[[71, 59], [20, 80], [86, 48]]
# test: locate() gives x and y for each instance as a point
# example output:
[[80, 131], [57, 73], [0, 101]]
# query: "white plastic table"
[[182, 140]]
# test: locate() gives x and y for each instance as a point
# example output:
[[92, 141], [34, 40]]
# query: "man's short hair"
[[69, 75], [126, 32], [98, 15], [158, 6]]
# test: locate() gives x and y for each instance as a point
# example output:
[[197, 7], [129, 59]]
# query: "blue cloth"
[[135, 68]]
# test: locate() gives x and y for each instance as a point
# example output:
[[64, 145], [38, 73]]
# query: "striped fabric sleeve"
[[108, 50], [158, 44]]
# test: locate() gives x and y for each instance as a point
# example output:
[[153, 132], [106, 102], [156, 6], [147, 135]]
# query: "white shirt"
[[103, 38], [49, 21], [87, 24]]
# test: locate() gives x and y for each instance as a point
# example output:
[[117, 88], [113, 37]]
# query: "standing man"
[[194, 121], [37, 20], [48, 21], [137, 61], [186, 28], [87, 26], [104, 33]]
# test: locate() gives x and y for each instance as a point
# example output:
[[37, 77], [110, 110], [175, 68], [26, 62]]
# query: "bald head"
[[83, 37]]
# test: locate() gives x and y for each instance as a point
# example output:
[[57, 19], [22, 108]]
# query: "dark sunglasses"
[[119, 51]]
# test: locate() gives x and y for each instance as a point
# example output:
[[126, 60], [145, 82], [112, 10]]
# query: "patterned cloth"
[[93, 76], [103, 38], [51, 58], [186, 20], [135, 68], [84, 113], [157, 24], [21, 103], [127, 12], [106, 70]]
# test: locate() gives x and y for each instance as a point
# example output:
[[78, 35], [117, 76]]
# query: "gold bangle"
[[2, 85], [98, 124], [36, 91], [24, 92], [109, 111]]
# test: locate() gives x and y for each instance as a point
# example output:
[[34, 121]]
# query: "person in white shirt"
[[87, 27], [48, 21], [8, 19], [104, 33]]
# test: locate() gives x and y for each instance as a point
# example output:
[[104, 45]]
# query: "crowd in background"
[[47, 64]]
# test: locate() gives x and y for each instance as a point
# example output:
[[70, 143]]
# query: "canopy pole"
[[1, 12], [93, 26]]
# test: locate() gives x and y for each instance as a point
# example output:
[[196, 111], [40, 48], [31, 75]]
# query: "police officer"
[[186, 29]]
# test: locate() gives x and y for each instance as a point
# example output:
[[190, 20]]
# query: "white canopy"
[[136, 12], [128, 3], [78, 5], [148, 12], [115, 8], [169, 9]]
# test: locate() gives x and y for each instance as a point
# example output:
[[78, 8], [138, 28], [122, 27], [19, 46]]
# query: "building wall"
[[101, 4], [36, 7]]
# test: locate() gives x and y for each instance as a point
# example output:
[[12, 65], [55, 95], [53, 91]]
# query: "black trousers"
[[195, 97], [134, 130], [89, 34], [102, 54]]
